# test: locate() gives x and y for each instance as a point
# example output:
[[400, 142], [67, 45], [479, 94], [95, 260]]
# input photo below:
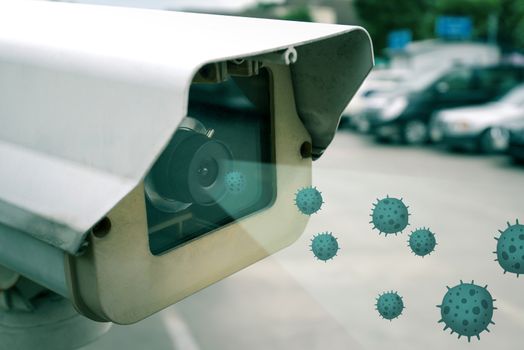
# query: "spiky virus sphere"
[[389, 305], [467, 309], [389, 215], [235, 182], [308, 200], [324, 246], [422, 241], [510, 249]]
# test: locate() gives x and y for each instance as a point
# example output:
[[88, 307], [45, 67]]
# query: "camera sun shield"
[[199, 244], [118, 127]]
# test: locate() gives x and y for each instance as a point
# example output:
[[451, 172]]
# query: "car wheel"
[[344, 123], [494, 140], [362, 124], [518, 160], [415, 132], [383, 139]]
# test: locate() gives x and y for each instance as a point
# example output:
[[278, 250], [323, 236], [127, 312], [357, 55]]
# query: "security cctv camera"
[[146, 155]]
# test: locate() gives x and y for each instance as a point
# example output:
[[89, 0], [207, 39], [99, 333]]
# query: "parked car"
[[516, 141], [379, 102], [378, 82], [482, 127], [406, 115]]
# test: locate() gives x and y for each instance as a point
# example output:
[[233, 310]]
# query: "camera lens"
[[196, 186], [207, 172], [191, 170], [203, 174]]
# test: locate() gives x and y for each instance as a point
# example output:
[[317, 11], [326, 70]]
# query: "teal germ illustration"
[[389, 215], [389, 305], [308, 200], [510, 249], [235, 182], [324, 246], [422, 241], [467, 309]]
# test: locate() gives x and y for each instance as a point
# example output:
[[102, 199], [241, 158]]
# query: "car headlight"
[[395, 108], [460, 126]]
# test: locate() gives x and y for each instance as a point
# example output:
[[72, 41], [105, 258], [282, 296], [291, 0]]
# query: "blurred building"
[[428, 54], [343, 10], [323, 11]]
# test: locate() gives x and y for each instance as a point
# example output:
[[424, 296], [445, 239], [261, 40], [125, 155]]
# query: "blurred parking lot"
[[293, 301], [479, 108], [440, 123]]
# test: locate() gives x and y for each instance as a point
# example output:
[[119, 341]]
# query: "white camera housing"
[[89, 98]]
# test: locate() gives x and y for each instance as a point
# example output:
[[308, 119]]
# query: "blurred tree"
[[510, 15], [511, 25], [478, 10], [380, 17], [298, 14], [266, 5]]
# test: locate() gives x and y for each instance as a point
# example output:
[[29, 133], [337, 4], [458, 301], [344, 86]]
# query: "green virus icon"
[[324, 246], [308, 200], [389, 215], [235, 182], [422, 241], [467, 309], [510, 249], [389, 305]]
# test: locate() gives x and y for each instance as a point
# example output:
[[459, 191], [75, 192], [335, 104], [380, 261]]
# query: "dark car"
[[516, 142], [406, 115]]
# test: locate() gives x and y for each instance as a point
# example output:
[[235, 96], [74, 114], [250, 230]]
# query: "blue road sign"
[[454, 27], [399, 39]]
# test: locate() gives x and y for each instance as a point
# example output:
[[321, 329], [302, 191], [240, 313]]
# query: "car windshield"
[[388, 75], [421, 79], [514, 97]]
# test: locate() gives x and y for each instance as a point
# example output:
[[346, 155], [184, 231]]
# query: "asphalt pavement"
[[293, 301]]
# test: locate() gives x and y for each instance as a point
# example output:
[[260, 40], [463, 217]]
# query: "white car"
[[378, 82], [389, 102], [483, 127]]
